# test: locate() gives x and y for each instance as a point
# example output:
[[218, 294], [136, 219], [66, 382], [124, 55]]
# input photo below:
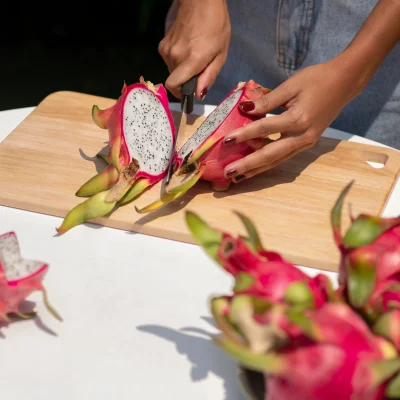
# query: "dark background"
[[80, 46]]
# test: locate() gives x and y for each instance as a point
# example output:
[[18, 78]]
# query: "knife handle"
[[188, 90]]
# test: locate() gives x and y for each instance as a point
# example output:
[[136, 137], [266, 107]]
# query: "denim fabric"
[[273, 39]]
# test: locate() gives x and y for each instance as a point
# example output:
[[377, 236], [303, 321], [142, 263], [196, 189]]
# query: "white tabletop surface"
[[135, 309]]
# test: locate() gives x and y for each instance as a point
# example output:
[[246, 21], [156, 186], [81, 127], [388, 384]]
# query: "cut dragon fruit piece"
[[141, 137], [14, 266], [204, 156], [19, 278]]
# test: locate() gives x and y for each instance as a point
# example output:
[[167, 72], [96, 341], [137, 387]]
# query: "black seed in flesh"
[[147, 131], [211, 123], [10, 257]]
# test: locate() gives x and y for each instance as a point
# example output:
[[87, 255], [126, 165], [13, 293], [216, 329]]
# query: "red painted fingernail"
[[231, 173], [239, 178], [229, 141], [203, 93], [247, 106]]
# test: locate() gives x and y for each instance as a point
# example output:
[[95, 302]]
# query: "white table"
[[135, 309]]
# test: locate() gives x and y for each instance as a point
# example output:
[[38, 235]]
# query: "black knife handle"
[[188, 91]]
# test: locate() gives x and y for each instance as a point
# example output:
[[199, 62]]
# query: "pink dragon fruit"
[[141, 138], [369, 274], [333, 356], [278, 285], [256, 271], [204, 156], [19, 278]]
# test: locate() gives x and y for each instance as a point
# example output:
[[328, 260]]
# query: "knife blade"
[[187, 103]]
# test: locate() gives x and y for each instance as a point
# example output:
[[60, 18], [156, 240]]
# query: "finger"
[[270, 101], [209, 75], [183, 72], [264, 157], [164, 49], [262, 128]]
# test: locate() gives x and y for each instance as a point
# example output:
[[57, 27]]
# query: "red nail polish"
[[247, 106], [239, 178], [230, 173], [229, 141], [203, 93]]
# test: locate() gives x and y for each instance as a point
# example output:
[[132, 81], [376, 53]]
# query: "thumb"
[[268, 102]]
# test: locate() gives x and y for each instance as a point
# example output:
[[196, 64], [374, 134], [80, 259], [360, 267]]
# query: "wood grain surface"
[[52, 153]]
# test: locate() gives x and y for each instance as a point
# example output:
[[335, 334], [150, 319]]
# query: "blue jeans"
[[273, 39]]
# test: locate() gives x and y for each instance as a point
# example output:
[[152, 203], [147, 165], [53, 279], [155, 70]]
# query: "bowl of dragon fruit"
[[296, 337]]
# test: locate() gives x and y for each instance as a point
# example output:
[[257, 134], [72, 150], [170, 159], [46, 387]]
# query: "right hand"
[[196, 43]]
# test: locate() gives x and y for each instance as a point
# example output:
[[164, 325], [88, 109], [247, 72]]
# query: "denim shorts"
[[273, 39]]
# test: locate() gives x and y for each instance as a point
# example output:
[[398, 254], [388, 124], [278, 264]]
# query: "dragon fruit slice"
[[203, 156], [19, 278], [369, 275], [141, 137]]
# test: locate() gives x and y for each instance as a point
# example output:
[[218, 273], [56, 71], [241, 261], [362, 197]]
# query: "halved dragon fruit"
[[141, 138], [19, 278], [369, 274], [204, 156]]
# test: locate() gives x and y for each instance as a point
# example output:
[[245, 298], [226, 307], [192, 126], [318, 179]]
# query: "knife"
[[187, 102]]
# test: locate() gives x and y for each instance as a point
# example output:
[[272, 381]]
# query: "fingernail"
[[229, 141], [247, 106], [231, 173], [203, 93], [239, 178]]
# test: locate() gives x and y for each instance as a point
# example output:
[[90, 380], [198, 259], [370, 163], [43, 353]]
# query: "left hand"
[[312, 99]]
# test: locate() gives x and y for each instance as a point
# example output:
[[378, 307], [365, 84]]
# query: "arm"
[[374, 41], [196, 42], [315, 96]]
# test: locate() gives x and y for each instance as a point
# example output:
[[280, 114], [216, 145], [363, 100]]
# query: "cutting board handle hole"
[[375, 160]]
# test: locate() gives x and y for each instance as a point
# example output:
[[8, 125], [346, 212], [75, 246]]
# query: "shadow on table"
[[203, 353], [27, 307]]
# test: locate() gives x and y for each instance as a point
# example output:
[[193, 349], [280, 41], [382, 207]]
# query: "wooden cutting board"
[[52, 153]]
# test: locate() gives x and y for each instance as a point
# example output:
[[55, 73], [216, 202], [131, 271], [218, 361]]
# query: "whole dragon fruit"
[[204, 156], [369, 274], [141, 137], [19, 278], [278, 285], [304, 338], [332, 356], [257, 271]]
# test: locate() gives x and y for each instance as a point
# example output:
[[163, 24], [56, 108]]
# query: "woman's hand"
[[197, 42], [312, 99]]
